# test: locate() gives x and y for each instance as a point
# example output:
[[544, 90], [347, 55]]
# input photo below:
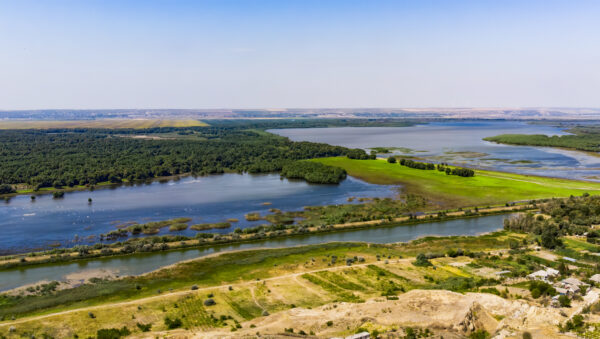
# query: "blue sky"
[[275, 54]]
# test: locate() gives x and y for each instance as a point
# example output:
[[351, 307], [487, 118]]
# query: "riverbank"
[[97, 186], [233, 267], [178, 243]]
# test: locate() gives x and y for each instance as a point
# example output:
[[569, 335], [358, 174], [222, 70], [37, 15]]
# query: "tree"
[[564, 301], [563, 268], [422, 260], [549, 238], [6, 189], [391, 160]]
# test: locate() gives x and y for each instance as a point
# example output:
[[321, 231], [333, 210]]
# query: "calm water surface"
[[141, 263], [25, 224], [71, 220], [460, 143]]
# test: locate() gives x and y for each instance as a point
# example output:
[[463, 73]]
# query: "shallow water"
[[460, 143], [25, 224], [145, 262]]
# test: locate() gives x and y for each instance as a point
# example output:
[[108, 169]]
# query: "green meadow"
[[485, 188]]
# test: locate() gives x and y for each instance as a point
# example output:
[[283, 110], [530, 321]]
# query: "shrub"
[[479, 334], [173, 323], [112, 333], [526, 335], [564, 301], [421, 260], [540, 288], [194, 287], [209, 302], [144, 327]]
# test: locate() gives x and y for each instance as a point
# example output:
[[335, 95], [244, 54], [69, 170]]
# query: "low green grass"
[[580, 245], [485, 188], [241, 302], [342, 294], [291, 269]]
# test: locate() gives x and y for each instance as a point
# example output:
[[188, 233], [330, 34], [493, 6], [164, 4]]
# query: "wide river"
[[27, 224], [460, 143], [145, 262]]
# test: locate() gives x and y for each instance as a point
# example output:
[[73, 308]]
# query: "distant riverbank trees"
[[67, 158], [584, 139]]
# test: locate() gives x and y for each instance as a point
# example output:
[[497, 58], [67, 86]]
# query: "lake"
[[460, 143], [145, 262], [26, 224]]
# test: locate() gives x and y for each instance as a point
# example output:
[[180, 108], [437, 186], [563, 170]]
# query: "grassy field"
[[103, 123], [245, 285], [485, 188]]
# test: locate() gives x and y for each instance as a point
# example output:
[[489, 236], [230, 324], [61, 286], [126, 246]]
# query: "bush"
[[209, 302], [144, 327], [174, 323], [564, 301], [391, 160], [422, 260], [112, 333], [540, 288], [526, 335], [479, 334]]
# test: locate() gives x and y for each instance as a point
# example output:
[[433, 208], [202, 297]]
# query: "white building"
[[543, 275], [572, 285]]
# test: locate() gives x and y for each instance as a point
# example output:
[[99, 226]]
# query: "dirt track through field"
[[186, 292]]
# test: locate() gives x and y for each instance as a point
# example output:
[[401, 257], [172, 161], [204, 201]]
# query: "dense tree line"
[[461, 172], [313, 123], [45, 158], [313, 172], [416, 164], [584, 139]]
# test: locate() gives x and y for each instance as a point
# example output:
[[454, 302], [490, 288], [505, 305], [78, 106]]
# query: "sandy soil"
[[455, 314]]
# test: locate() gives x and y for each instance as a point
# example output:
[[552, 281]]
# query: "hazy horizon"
[[299, 54]]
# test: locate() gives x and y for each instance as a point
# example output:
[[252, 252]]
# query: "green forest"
[[59, 158], [313, 172]]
